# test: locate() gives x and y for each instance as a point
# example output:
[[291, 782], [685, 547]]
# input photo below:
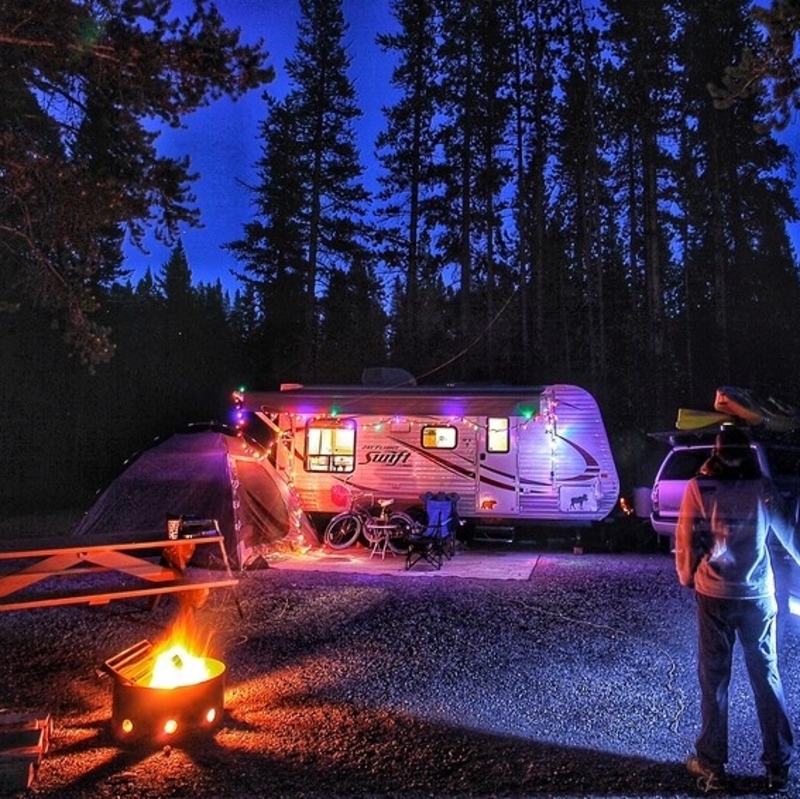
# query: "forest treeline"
[[567, 192], [560, 200]]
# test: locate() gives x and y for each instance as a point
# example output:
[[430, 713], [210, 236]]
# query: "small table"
[[378, 535]]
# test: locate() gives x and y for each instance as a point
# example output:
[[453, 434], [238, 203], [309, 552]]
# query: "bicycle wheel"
[[343, 530], [404, 525]]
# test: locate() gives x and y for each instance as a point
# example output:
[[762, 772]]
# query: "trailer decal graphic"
[[504, 480], [439, 461], [592, 469], [533, 486]]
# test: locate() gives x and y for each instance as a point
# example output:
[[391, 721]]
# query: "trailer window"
[[435, 437], [497, 436], [330, 446]]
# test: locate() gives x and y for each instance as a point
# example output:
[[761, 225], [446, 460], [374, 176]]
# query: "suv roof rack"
[[704, 435]]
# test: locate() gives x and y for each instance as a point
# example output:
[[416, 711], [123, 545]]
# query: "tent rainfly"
[[204, 473]]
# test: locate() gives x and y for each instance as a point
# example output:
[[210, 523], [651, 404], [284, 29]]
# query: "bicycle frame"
[[359, 520]]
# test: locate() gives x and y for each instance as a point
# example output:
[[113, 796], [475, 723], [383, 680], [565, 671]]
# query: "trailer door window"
[[330, 446], [497, 434], [439, 437]]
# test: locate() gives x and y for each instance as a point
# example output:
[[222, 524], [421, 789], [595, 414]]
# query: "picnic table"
[[47, 572]]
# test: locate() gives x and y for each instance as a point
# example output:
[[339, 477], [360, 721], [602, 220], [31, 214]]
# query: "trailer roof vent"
[[387, 376]]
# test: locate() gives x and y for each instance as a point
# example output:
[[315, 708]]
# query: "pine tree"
[[737, 199], [642, 119], [273, 250], [353, 325], [600, 297], [310, 199], [767, 68], [474, 62], [539, 43], [174, 283], [323, 98], [406, 152], [82, 85]]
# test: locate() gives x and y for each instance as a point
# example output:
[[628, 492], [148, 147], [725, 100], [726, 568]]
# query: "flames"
[[178, 660], [176, 667]]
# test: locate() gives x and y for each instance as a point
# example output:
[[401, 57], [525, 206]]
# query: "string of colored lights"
[[547, 414]]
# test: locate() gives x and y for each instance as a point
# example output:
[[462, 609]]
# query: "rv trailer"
[[514, 456]]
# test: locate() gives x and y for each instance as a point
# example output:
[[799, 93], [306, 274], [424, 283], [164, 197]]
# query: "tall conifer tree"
[[311, 199], [406, 151], [643, 120], [474, 61], [83, 84], [737, 200]]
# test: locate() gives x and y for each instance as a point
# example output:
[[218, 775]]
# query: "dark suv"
[[779, 460]]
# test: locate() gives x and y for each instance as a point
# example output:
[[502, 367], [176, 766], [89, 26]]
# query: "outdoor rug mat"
[[477, 565]]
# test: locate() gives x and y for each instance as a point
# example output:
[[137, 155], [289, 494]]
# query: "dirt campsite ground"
[[507, 674]]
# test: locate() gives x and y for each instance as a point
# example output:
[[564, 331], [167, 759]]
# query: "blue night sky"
[[222, 140]]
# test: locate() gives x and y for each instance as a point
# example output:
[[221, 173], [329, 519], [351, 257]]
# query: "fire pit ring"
[[143, 713]]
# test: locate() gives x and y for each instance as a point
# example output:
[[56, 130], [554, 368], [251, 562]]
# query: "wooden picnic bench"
[[46, 572]]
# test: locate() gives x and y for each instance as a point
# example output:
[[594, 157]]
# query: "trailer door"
[[498, 473]]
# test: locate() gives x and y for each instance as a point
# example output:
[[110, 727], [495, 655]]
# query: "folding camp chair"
[[434, 540]]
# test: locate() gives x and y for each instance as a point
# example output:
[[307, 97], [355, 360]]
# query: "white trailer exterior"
[[513, 455]]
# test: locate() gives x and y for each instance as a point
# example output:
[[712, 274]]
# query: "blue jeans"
[[753, 620]]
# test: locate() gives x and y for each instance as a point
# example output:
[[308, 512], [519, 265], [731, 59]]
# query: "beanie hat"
[[732, 441], [732, 446]]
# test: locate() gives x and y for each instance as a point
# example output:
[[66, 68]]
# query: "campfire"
[[176, 667], [163, 693]]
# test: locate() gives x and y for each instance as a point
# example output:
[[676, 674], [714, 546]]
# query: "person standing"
[[721, 552]]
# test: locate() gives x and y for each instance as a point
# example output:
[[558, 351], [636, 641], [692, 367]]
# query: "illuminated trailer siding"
[[568, 468], [391, 461], [511, 454]]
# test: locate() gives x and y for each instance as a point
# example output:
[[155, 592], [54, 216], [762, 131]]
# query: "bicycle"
[[361, 519]]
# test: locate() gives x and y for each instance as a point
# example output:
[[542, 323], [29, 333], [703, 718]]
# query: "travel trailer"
[[514, 456]]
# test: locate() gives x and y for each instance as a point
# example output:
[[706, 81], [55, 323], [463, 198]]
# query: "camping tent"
[[204, 473]]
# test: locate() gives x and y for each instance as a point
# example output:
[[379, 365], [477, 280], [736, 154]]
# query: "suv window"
[[683, 464], [781, 462]]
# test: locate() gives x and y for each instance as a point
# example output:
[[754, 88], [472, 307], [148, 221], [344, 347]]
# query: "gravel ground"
[[577, 682]]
